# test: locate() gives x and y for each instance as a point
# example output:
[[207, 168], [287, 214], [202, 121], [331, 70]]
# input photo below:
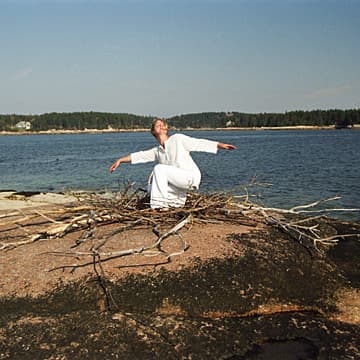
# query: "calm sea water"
[[302, 166]]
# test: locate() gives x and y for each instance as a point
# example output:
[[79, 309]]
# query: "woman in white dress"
[[176, 171]]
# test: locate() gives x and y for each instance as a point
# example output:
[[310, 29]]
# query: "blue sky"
[[167, 57]]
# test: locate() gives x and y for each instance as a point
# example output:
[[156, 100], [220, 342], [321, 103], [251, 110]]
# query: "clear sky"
[[168, 57]]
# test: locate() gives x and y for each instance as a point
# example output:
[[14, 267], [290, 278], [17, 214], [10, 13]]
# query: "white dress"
[[176, 171]]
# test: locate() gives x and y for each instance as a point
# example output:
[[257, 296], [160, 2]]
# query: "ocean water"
[[301, 166]]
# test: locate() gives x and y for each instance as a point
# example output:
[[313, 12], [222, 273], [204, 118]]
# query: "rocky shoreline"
[[237, 292], [107, 131]]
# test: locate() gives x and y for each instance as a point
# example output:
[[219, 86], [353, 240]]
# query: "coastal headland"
[[92, 121], [224, 285]]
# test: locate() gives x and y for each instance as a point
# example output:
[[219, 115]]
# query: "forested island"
[[112, 121]]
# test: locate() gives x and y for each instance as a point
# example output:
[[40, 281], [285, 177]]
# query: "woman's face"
[[160, 128]]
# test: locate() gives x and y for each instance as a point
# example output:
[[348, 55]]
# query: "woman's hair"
[[155, 121]]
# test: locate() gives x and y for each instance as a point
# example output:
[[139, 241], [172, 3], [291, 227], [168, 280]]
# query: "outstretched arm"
[[211, 146], [226, 146], [117, 163]]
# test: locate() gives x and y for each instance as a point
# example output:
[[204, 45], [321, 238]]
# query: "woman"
[[176, 171]]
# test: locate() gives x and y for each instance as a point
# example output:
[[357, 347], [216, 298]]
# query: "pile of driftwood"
[[130, 210]]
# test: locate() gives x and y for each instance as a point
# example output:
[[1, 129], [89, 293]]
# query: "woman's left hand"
[[226, 146]]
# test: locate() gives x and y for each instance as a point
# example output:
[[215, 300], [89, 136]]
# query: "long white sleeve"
[[194, 144], [144, 156]]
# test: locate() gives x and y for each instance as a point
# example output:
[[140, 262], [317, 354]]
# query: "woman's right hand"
[[115, 165]]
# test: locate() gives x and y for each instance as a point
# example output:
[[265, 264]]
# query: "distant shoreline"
[[107, 131]]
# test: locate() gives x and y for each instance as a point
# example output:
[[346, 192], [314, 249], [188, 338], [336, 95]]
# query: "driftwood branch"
[[129, 210], [105, 256]]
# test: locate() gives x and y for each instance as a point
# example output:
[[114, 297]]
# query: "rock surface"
[[237, 293]]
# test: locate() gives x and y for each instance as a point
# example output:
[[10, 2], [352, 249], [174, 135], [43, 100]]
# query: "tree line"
[[101, 120], [338, 118]]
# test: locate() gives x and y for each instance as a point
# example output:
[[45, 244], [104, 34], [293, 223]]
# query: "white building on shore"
[[23, 125]]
